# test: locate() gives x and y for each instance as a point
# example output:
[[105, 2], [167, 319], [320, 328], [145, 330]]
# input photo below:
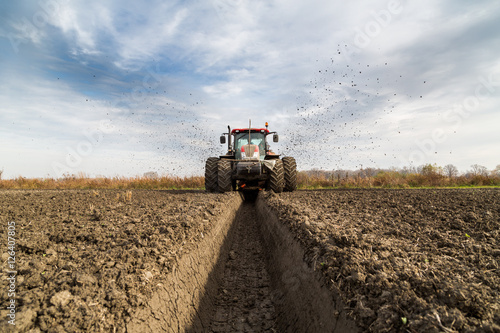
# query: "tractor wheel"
[[290, 167], [224, 175], [211, 174], [277, 178]]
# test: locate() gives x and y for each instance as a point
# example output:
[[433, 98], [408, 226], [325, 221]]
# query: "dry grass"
[[84, 182], [428, 176], [393, 179]]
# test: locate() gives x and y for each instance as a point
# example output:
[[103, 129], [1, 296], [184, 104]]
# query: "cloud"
[[344, 85]]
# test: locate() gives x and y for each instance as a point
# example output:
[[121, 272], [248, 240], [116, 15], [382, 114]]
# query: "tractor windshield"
[[258, 139]]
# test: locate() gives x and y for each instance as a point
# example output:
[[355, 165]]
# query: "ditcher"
[[249, 164]]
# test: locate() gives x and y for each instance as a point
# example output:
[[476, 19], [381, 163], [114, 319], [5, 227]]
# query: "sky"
[[120, 88]]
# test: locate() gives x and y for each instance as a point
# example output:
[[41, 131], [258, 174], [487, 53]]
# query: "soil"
[[87, 260], [403, 260], [244, 302], [306, 261]]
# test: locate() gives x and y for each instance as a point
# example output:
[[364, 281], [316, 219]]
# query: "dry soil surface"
[[244, 302], [87, 260], [403, 260], [308, 261]]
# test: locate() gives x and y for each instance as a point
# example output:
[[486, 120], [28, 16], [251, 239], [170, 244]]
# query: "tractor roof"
[[252, 130]]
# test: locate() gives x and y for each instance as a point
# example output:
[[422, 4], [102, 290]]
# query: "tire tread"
[[211, 174], [277, 178], [224, 175], [290, 168]]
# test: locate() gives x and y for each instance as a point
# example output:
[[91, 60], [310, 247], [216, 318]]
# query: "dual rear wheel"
[[218, 175], [283, 177]]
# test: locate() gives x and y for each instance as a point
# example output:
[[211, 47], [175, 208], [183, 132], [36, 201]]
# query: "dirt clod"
[[61, 299]]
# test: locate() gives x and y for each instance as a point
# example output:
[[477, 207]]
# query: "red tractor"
[[249, 164]]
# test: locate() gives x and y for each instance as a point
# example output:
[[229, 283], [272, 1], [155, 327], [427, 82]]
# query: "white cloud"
[[170, 76]]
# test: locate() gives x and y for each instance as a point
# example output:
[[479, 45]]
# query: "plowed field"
[[307, 261], [404, 260], [96, 260]]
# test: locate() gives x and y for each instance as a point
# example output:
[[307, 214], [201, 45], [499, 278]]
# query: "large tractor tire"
[[224, 176], [211, 170], [290, 167], [277, 178]]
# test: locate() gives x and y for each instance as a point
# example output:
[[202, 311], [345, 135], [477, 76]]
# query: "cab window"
[[258, 139]]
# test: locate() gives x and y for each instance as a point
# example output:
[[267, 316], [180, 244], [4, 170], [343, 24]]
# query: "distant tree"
[[450, 170], [408, 170], [479, 170], [404, 171], [430, 169], [338, 173], [495, 172], [368, 172], [1, 171]]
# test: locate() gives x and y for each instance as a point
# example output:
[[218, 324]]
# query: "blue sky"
[[125, 87]]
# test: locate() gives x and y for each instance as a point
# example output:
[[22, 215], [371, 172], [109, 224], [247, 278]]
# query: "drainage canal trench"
[[244, 300], [247, 276], [264, 285]]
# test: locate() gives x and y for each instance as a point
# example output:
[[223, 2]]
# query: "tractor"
[[250, 165]]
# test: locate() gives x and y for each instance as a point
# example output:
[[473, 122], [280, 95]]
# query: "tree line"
[[411, 176]]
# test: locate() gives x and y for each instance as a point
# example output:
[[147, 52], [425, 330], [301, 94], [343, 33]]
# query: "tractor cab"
[[249, 143], [249, 146]]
